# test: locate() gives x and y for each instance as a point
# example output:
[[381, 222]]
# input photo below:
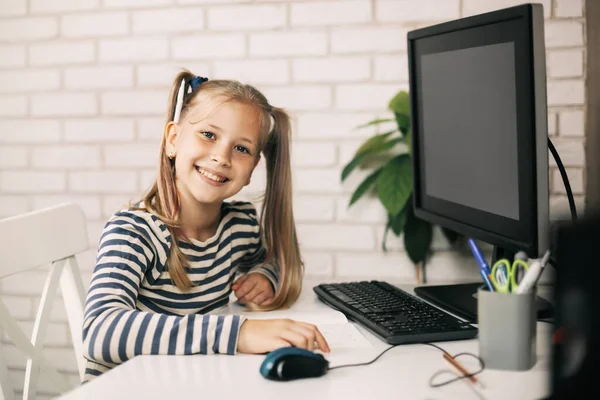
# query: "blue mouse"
[[288, 363]]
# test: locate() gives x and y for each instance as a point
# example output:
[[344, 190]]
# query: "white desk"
[[401, 373]]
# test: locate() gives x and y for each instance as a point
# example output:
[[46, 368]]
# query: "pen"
[[545, 261], [462, 370], [484, 268], [487, 280]]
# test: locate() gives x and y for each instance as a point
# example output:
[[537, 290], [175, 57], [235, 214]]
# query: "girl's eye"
[[208, 135], [242, 149]]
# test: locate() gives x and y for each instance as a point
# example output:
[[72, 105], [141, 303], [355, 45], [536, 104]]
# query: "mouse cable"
[[430, 381], [396, 345], [365, 363], [379, 355]]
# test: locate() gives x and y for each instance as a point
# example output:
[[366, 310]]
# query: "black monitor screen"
[[478, 124], [469, 116]]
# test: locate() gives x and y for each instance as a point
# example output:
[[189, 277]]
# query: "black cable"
[[565, 178], [454, 357], [437, 347], [428, 344], [365, 363], [431, 384]]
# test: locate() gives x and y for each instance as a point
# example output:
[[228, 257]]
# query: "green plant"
[[388, 154]]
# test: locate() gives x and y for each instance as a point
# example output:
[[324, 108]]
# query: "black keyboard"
[[391, 313]]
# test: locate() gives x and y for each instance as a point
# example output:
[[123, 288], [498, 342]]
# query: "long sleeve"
[[115, 331]]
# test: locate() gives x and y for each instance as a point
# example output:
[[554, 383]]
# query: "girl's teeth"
[[211, 176]]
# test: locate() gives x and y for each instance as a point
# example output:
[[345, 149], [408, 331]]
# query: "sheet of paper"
[[348, 345], [343, 336], [316, 317]]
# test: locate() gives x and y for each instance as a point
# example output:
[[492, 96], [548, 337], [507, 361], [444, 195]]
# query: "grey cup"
[[507, 329]]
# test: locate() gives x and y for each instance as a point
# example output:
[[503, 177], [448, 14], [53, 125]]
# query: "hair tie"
[[197, 81], [271, 118], [179, 103], [272, 121], [194, 83]]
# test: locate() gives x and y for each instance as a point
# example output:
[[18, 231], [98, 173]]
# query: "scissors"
[[506, 277]]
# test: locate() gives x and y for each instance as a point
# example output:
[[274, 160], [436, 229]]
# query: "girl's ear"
[[171, 135]]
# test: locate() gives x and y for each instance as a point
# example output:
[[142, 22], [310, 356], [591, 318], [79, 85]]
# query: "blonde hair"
[[278, 232]]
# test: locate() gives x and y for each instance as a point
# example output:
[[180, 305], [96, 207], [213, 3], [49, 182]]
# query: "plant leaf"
[[373, 141], [375, 149], [375, 122], [451, 235], [394, 184], [408, 141], [356, 161], [403, 122], [418, 235], [385, 232], [400, 103], [364, 186], [397, 222]]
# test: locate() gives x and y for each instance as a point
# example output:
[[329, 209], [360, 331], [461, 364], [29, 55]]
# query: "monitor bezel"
[[530, 232]]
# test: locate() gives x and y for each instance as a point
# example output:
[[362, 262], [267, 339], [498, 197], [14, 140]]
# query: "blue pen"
[[484, 268]]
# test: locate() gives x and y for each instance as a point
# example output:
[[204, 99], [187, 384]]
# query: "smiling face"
[[215, 154]]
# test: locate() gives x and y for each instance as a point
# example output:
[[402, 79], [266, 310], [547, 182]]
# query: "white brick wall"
[[208, 46], [12, 56], [114, 76], [334, 69], [29, 80], [255, 72], [63, 104], [331, 13], [13, 7], [13, 105], [28, 29], [97, 24], [164, 21], [84, 84], [251, 17], [417, 10], [51, 6], [62, 52]]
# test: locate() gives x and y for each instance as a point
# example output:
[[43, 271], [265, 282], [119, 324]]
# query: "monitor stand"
[[461, 299]]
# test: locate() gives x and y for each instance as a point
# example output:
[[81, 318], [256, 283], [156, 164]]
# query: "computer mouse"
[[289, 363]]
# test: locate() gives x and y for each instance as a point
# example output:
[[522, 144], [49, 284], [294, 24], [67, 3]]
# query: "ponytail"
[[277, 218], [163, 199]]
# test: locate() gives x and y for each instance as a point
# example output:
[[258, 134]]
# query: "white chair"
[[52, 236]]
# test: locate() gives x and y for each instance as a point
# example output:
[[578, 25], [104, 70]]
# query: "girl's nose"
[[221, 156]]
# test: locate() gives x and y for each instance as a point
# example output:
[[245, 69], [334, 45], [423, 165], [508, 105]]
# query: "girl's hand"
[[253, 288], [263, 336]]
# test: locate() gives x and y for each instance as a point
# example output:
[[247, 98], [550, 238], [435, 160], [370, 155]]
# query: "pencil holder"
[[507, 329]]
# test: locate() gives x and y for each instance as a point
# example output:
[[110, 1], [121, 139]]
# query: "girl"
[[170, 259]]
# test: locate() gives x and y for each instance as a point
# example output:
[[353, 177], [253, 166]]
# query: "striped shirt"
[[132, 306]]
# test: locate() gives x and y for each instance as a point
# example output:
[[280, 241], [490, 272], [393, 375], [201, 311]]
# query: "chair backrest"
[[52, 235]]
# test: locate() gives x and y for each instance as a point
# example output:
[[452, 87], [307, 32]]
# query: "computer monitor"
[[479, 133]]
